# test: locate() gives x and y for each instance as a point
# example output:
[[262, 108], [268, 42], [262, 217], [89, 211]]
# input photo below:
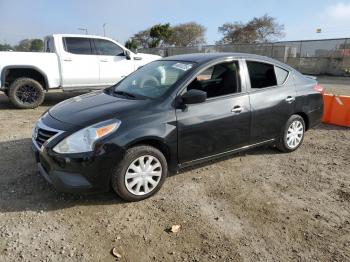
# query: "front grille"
[[43, 136]]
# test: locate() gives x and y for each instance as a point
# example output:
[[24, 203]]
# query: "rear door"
[[79, 63], [272, 98], [219, 124], [112, 62]]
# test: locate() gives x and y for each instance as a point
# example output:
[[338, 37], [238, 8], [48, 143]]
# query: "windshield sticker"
[[181, 66]]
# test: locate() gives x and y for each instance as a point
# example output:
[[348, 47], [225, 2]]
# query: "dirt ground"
[[256, 206]]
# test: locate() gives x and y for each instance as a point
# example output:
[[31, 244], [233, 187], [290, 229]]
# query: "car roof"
[[207, 57], [80, 35]]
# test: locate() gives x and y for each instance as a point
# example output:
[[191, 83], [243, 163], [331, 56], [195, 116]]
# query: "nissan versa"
[[172, 113]]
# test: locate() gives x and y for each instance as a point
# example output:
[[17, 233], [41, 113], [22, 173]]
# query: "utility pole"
[[104, 29], [83, 29]]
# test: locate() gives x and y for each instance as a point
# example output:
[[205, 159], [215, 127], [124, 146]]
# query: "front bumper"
[[86, 173]]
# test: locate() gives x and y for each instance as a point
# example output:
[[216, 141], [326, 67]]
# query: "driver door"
[[113, 63], [218, 125]]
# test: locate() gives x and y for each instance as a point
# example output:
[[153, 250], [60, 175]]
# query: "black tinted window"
[[281, 75], [219, 80], [261, 75], [105, 47], [77, 45]]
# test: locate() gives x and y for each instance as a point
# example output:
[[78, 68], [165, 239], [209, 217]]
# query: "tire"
[[130, 183], [26, 93], [294, 130]]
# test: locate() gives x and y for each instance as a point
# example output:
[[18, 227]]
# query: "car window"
[[218, 80], [105, 47], [261, 75], [78, 45], [206, 74], [154, 79], [281, 75], [49, 46]]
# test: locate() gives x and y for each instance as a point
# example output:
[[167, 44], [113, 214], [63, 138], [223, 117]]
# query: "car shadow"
[[23, 189], [262, 150]]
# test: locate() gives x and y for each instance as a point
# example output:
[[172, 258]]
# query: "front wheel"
[[140, 173], [26, 93], [292, 135]]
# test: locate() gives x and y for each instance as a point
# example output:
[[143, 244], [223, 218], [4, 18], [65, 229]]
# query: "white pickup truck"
[[70, 62]]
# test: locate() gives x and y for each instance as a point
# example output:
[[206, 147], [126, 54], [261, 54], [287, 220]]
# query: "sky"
[[22, 19]]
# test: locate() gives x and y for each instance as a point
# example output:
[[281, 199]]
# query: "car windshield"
[[152, 80]]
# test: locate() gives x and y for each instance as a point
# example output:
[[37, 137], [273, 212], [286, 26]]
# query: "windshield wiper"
[[123, 93]]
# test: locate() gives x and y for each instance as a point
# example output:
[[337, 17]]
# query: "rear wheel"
[[26, 93], [293, 134], [140, 173]]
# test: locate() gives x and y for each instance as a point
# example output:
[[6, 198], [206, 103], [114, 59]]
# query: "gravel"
[[260, 205]]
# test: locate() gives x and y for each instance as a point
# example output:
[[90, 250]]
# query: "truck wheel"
[[140, 173], [26, 93]]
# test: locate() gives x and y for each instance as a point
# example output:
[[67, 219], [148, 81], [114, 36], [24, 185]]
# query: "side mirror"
[[127, 54], [194, 96]]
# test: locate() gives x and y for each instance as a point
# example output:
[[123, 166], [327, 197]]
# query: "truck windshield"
[[153, 79]]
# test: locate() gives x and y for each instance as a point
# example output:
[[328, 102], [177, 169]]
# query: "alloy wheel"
[[27, 94]]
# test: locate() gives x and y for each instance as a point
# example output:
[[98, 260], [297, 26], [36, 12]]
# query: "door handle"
[[103, 60], [290, 99], [237, 109], [67, 59]]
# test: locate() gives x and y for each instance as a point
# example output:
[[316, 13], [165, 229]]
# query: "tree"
[[188, 34], [36, 45], [131, 44], [258, 30], [266, 28], [235, 32], [24, 45], [142, 38], [5, 47], [160, 34], [30, 45]]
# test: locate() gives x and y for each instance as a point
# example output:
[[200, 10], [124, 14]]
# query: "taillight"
[[319, 88]]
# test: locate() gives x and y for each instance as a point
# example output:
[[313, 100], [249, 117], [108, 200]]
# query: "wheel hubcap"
[[143, 175], [27, 94], [295, 134]]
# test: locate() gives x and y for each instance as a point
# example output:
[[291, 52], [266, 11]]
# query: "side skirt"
[[230, 152]]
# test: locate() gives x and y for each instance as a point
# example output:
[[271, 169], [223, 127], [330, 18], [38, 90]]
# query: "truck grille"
[[43, 136]]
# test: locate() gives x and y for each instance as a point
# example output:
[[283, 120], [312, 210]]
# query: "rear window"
[[281, 75], [261, 75], [49, 45], [78, 45]]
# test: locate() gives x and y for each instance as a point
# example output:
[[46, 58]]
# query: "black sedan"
[[171, 113]]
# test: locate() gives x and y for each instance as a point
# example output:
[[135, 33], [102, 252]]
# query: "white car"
[[71, 62]]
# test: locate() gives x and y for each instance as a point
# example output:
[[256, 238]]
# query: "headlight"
[[84, 139]]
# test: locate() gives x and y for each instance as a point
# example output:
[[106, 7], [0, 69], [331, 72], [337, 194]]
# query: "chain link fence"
[[316, 57]]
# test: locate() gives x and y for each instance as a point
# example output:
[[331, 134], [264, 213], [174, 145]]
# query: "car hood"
[[94, 107]]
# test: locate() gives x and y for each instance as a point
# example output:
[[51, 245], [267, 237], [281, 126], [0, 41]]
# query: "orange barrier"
[[336, 110]]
